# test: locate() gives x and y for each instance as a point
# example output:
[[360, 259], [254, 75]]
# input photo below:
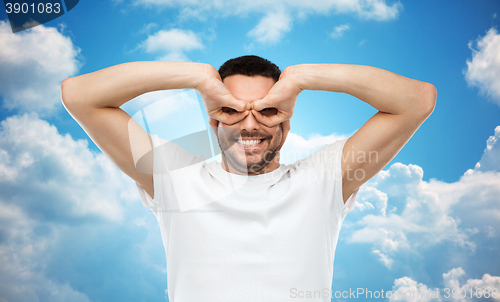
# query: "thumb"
[[213, 123]]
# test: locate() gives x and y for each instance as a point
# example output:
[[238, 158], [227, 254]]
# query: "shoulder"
[[329, 154], [170, 155], [323, 165]]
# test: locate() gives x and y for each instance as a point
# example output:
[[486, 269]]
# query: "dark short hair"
[[250, 66]]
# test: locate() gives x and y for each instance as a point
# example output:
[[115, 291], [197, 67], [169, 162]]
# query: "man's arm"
[[403, 104], [93, 100]]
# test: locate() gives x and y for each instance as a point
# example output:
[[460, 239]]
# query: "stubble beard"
[[238, 160]]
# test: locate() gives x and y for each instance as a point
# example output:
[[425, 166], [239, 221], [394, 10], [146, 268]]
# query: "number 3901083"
[[40, 8]]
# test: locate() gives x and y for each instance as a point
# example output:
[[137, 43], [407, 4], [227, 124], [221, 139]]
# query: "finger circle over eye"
[[260, 118]]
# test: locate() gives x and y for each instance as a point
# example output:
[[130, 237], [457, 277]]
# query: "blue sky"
[[72, 227]]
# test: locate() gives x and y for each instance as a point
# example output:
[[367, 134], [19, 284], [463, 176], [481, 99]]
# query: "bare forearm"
[[113, 86], [382, 89]]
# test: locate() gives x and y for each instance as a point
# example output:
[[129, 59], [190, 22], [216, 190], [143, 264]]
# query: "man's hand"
[[219, 103], [282, 96]]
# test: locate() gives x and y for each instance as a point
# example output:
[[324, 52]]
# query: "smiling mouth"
[[250, 143]]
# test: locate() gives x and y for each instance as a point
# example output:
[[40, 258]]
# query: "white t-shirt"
[[229, 237]]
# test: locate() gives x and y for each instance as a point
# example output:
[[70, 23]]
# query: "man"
[[248, 229]]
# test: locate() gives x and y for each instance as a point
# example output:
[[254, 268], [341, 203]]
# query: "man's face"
[[249, 146]]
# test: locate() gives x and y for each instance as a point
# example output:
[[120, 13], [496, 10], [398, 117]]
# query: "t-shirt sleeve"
[[167, 156], [326, 164]]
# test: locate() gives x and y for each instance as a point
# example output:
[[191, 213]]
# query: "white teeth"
[[249, 142]]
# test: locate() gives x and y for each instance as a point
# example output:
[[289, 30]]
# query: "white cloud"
[[451, 278], [373, 9], [378, 10], [422, 214], [171, 45], [490, 161], [33, 64], [278, 16], [416, 215], [370, 197], [338, 31], [271, 28], [21, 256], [407, 289], [483, 70], [71, 182], [42, 260], [69, 219], [481, 286], [147, 28], [383, 258], [474, 198]]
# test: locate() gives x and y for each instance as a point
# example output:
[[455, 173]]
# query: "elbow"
[[427, 99], [65, 87], [431, 97], [67, 93]]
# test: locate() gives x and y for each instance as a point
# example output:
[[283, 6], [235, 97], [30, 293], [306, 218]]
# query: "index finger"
[[269, 121], [230, 119], [263, 103], [228, 100]]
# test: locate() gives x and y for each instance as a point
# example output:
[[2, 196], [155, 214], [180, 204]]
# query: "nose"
[[249, 123]]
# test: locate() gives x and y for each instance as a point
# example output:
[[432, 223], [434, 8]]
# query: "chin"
[[251, 166], [243, 166], [236, 159]]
